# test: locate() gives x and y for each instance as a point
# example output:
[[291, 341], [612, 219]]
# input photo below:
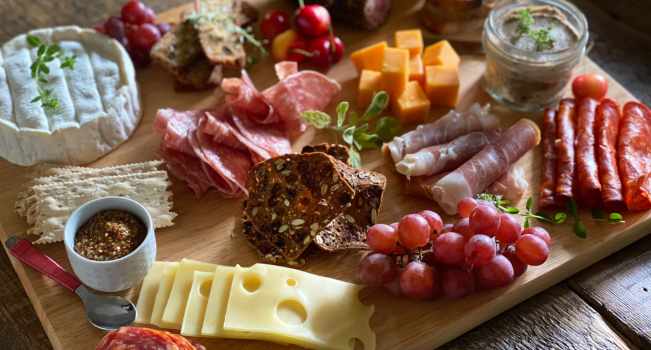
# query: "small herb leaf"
[[560, 217], [349, 135], [387, 128], [317, 119], [529, 203], [33, 41], [580, 230], [615, 218], [342, 110], [378, 105], [354, 159]]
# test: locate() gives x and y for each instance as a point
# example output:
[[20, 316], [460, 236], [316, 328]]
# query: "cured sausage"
[[607, 132], [546, 197], [565, 152], [136, 338], [588, 185], [487, 166], [634, 156], [445, 129], [435, 159]]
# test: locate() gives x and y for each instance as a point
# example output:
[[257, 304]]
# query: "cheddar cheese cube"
[[416, 69], [441, 53], [370, 82], [395, 71], [369, 57], [442, 85], [412, 106], [411, 40]]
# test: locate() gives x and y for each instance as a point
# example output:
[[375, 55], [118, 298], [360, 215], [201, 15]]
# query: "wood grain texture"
[[556, 319], [620, 289], [622, 59]]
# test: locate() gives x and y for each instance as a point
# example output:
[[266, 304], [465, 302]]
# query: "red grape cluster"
[[136, 30], [312, 40], [484, 249]]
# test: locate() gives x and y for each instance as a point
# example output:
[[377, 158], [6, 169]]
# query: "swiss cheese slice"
[[285, 305], [164, 288], [149, 290], [195, 307], [213, 322], [175, 308]]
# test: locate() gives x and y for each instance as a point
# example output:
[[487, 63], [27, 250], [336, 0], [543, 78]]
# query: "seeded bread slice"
[[348, 230], [338, 151], [293, 196]]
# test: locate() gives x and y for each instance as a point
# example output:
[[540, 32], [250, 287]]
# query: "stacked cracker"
[[48, 201], [314, 197]]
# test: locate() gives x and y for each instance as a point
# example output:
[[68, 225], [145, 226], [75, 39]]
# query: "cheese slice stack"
[[262, 302]]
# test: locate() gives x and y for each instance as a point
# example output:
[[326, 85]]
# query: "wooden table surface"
[[607, 306]]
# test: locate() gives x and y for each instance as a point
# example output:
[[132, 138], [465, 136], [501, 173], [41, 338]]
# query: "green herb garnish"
[[541, 37], [358, 132], [39, 70]]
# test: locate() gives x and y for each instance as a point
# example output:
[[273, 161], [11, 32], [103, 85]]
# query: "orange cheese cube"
[[370, 82], [395, 71], [413, 105], [369, 57], [442, 85], [416, 69], [441, 53], [411, 40]]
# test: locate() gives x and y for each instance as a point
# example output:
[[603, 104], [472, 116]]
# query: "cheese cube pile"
[[262, 302], [414, 76]]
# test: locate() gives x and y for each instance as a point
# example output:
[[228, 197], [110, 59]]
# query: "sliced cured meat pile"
[[602, 155], [298, 199], [217, 147], [463, 154], [136, 338]]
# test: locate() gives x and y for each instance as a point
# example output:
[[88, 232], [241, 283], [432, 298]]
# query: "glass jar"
[[522, 73]]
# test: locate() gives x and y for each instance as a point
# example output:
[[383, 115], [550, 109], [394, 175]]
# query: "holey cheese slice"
[[294, 307], [195, 308], [149, 290], [99, 105]]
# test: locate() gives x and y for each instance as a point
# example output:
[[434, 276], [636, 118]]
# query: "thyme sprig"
[[46, 53], [541, 36]]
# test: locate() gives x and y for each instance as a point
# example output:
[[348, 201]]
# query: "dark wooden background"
[[607, 306]]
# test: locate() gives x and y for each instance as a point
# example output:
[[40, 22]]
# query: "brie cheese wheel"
[[99, 106]]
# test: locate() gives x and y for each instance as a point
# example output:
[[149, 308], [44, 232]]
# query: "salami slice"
[[136, 338], [607, 132], [587, 176], [634, 156], [546, 197], [565, 166]]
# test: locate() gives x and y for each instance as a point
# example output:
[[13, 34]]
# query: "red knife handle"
[[24, 251]]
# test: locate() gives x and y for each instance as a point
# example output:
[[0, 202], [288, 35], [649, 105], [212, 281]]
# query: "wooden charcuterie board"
[[206, 228]]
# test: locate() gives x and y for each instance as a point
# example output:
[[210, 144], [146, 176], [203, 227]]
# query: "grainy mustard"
[[109, 235]]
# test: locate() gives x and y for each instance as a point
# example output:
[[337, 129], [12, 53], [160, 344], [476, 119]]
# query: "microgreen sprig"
[[39, 70], [367, 131], [541, 36]]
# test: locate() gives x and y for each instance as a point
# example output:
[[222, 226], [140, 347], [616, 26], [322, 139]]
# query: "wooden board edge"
[[19, 268]]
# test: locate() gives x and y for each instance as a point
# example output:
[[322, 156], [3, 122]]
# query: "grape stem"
[[301, 3]]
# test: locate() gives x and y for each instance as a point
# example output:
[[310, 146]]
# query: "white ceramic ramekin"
[[114, 275]]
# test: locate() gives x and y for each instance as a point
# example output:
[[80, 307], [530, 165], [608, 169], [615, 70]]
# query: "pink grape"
[[414, 231], [532, 250], [508, 230], [447, 228], [449, 248], [433, 219], [480, 250], [417, 281], [382, 238], [377, 269], [395, 226], [540, 232], [466, 206], [457, 283], [463, 227], [394, 286], [497, 273], [518, 266], [484, 219]]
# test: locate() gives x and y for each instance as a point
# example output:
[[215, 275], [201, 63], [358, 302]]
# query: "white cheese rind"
[[99, 99]]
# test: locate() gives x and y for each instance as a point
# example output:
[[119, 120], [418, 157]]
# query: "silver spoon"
[[104, 312]]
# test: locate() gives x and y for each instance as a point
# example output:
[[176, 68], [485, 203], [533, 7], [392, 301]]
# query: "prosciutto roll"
[[546, 196], [565, 166], [634, 156], [607, 132], [435, 159], [587, 175], [445, 129], [487, 166], [511, 186]]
